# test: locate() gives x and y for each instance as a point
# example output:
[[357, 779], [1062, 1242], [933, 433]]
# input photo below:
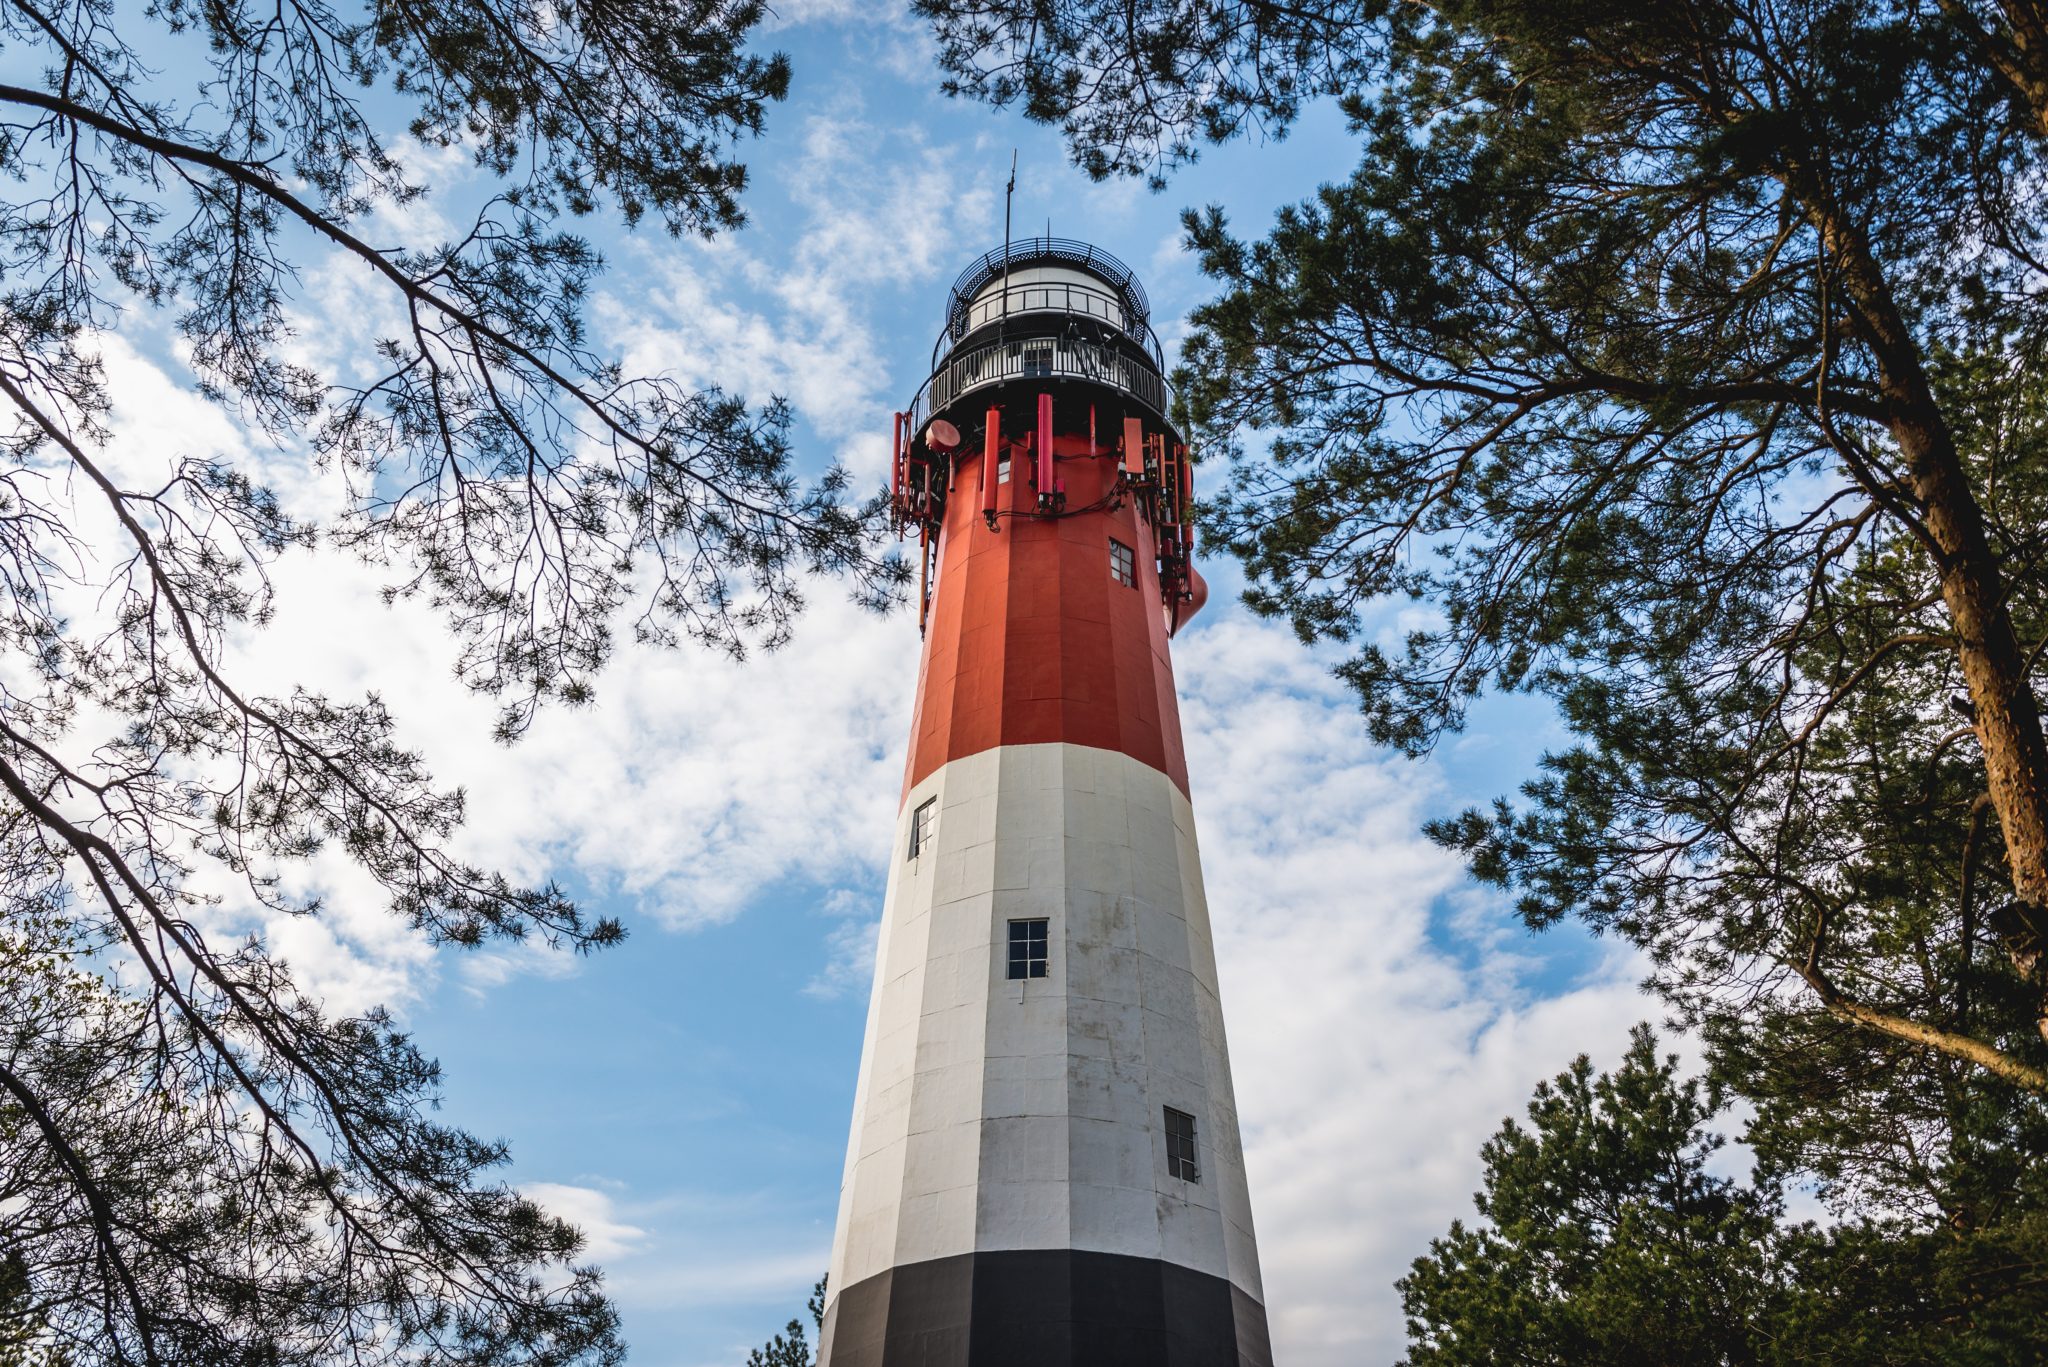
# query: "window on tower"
[[1123, 564], [1180, 1146], [922, 823], [1027, 948], [1035, 357]]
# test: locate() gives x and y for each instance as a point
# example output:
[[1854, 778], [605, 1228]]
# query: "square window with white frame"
[[1180, 1146], [1123, 564], [924, 823], [1028, 948]]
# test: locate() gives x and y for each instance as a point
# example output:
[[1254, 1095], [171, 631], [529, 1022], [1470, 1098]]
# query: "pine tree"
[[1605, 1238], [791, 1348], [1686, 360], [1684, 364], [197, 1163], [1606, 1235]]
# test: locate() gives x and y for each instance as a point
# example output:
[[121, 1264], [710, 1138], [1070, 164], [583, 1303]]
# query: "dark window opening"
[[1123, 565], [922, 824], [1036, 358], [1180, 1146], [1027, 949]]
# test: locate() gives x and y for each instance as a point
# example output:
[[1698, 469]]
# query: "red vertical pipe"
[[1045, 489], [896, 470], [991, 459]]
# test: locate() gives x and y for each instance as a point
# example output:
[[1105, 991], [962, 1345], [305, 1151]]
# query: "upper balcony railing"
[[1040, 251], [1050, 296]]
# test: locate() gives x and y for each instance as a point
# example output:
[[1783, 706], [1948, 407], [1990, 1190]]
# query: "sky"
[[686, 1097]]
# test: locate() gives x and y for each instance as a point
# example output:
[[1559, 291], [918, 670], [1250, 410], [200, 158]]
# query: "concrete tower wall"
[[1001, 1113]]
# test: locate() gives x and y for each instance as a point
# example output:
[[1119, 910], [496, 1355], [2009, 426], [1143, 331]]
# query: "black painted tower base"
[[1044, 1308]]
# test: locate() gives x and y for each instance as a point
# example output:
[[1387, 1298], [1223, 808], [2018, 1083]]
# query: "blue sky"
[[686, 1096]]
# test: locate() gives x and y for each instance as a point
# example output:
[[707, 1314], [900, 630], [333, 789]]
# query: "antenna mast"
[[1009, 193]]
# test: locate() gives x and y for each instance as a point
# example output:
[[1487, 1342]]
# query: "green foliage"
[[791, 1347], [1614, 406], [1684, 364], [198, 1165], [1607, 1239], [1640, 349]]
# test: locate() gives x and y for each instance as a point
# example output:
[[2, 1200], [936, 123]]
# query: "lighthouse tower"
[[1044, 1169]]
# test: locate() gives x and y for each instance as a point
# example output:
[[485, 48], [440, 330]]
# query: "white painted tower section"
[[998, 1114]]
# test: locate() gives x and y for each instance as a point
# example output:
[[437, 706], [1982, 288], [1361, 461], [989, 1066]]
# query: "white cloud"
[[1379, 1018], [709, 1275], [483, 969], [879, 211], [849, 960], [877, 38], [606, 1238], [708, 1248], [690, 785]]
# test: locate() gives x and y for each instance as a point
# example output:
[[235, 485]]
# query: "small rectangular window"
[[1027, 949], [922, 823], [1123, 565], [1180, 1146], [1035, 357], [1003, 470]]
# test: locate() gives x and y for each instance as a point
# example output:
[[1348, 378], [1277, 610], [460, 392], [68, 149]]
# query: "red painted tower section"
[[1029, 640]]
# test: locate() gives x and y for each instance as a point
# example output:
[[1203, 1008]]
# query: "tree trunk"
[[2018, 52], [2008, 720], [2027, 25]]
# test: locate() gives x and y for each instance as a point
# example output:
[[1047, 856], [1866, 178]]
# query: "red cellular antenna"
[[896, 471], [1046, 495], [991, 463]]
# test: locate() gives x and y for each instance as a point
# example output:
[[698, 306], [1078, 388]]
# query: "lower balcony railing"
[[1038, 358]]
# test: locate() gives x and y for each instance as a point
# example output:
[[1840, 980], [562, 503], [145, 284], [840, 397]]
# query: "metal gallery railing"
[[1038, 358], [1057, 297], [1035, 251]]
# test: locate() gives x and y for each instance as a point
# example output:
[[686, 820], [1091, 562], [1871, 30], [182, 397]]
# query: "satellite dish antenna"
[[942, 436]]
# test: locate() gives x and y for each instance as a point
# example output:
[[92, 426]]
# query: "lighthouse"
[[1044, 1168]]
